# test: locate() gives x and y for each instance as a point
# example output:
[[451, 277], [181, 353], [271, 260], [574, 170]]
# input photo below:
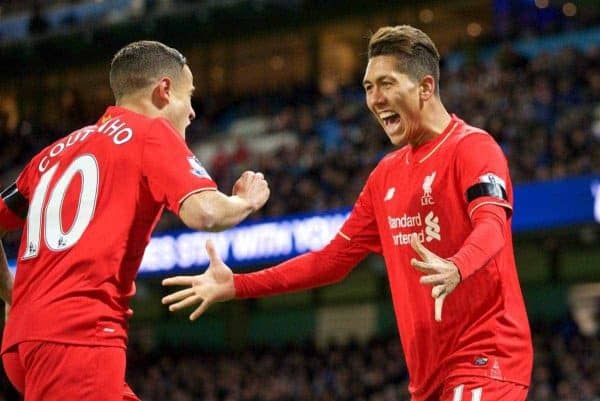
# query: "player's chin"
[[397, 138]]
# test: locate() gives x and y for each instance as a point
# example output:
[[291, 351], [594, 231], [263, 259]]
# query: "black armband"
[[494, 190], [15, 201]]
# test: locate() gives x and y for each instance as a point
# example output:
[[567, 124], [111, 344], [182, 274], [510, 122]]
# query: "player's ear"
[[427, 87], [162, 92]]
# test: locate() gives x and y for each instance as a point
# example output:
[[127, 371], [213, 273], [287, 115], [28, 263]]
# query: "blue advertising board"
[[538, 206]]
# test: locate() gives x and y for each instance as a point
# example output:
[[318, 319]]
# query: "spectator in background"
[[37, 23]]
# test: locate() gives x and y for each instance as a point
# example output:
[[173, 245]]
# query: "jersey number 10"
[[50, 217]]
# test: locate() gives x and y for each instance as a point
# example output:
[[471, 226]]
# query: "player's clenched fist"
[[253, 188]]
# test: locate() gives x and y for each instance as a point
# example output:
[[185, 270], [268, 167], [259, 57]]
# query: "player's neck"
[[434, 121], [140, 106]]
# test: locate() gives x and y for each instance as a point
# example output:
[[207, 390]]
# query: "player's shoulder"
[[162, 124], [119, 115], [466, 133], [392, 158], [465, 130], [388, 162], [155, 126], [474, 140], [116, 115], [145, 127]]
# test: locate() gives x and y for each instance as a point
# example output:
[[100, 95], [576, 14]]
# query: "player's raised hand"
[[252, 187], [214, 285], [442, 274]]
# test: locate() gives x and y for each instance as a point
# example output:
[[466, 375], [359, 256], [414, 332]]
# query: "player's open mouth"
[[390, 119]]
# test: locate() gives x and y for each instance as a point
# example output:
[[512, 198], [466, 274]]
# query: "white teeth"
[[387, 115]]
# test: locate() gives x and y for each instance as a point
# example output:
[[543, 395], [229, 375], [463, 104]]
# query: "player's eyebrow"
[[378, 79], [384, 77]]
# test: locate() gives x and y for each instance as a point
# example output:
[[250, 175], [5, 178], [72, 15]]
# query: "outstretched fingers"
[[178, 296], [200, 309], [179, 280], [184, 303]]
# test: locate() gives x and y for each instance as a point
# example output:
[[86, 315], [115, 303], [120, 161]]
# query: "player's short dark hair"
[[415, 51], [139, 64]]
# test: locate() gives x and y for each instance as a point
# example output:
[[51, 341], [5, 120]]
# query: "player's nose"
[[377, 97]]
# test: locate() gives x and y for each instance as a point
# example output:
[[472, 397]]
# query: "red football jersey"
[[92, 200], [431, 191]]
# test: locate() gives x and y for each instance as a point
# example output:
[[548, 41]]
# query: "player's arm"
[[215, 211], [356, 239], [485, 241], [6, 277], [13, 210], [483, 180], [314, 269], [177, 179], [485, 184]]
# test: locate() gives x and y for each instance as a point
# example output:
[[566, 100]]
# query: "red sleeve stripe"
[[344, 236], [195, 191], [505, 205]]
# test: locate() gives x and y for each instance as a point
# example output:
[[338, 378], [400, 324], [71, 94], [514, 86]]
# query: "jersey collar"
[[111, 112], [421, 153]]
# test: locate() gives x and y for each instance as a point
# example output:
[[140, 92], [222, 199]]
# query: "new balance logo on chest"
[[389, 194], [427, 198]]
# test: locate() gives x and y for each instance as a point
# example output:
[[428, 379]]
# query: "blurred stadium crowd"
[[39, 18], [543, 111], [567, 368], [316, 147]]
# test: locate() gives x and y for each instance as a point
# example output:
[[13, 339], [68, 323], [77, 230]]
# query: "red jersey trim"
[[505, 205], [195, 191], [440, 143], [344, 236]]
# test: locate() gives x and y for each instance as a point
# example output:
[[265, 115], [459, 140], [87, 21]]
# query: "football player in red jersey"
[[87, 204], [439, 209]]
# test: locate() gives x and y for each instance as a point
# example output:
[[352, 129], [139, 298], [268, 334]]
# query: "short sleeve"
[[361, 226], [8, 218], [171, 169], [483, 173], [14, 203]]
